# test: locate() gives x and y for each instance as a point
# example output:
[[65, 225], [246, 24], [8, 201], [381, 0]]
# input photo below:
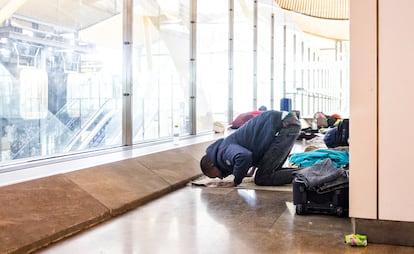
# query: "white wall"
[[396, 110], [382, 106], [363, 111]]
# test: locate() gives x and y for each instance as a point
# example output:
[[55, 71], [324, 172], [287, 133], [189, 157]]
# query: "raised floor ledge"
[[386, 232], [39, 212]]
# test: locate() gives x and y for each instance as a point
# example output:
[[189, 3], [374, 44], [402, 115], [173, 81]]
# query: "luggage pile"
[[322, 188]]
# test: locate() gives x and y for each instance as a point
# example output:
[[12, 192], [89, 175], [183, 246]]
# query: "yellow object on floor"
[[356, 240]]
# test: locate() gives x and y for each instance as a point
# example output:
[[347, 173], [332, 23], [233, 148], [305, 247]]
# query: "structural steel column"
[[231, 63], [255, 55], [127, 74], [272, 61], [193, 67]]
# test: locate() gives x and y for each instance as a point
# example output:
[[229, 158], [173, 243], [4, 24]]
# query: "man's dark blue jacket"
[[244, 148]]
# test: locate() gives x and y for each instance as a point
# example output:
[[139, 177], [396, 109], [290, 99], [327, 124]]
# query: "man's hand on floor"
[[222, 184]]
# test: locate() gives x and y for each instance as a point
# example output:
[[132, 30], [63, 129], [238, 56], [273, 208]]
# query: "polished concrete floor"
[[187, 220], [218, 220]]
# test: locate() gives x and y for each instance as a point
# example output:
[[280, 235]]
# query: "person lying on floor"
[[263, 143]]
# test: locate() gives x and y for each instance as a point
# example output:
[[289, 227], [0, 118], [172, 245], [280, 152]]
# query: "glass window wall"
[[62, 73]]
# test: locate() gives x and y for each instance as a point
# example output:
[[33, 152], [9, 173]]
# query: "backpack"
[[330, 121], [338, 135], [343, 132]]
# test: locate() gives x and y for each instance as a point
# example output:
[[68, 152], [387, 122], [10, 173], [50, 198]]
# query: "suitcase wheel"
[[340, 211], [300, 209]]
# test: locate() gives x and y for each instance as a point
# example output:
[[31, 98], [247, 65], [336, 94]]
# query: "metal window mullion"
[[294, 62], [284, 62], [255, 55], [272, 60], [193, 67], [308, 87], [230, 96], [302, 75], [127, 73]]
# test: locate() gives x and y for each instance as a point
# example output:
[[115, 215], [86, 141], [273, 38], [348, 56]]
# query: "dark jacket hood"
[[212, 150]]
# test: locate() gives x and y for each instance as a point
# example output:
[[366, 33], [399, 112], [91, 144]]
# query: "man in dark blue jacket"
[[264, 142]]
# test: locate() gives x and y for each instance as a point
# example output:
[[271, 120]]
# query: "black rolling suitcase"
[[329, 195], [308, 201]]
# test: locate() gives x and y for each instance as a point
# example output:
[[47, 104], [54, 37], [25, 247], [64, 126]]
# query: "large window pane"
[[243, 56], [160, 69], [212, 63], [60, 72], [264, 33]]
